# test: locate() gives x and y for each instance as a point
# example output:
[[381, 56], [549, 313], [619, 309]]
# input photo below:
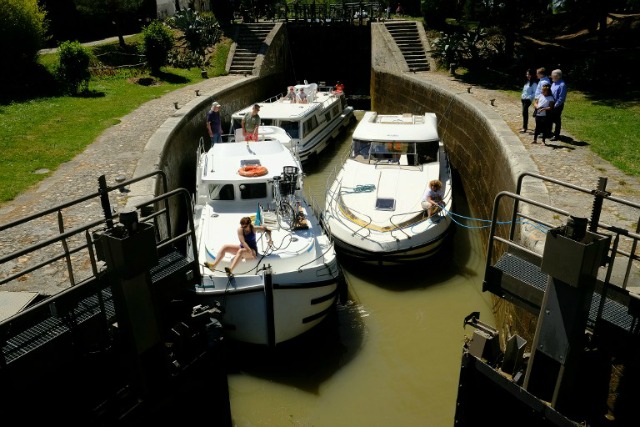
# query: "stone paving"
[[116, 153]]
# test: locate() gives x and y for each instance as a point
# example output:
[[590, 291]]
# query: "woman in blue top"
[[527, 97], [247, 249]]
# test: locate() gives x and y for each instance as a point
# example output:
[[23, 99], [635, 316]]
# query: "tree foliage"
[[23, 28], [116, 10]]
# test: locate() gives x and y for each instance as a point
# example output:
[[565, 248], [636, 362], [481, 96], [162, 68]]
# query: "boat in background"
[[311, 125], [373, 207], [292, 285]]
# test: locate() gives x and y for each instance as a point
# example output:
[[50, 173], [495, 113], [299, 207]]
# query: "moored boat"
[[292, 284], [312, 125], [373, 208]]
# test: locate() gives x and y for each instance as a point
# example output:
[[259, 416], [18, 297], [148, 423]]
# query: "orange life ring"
[[253, 170]]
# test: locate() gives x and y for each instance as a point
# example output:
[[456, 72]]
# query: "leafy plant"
[[157, 43], [199, 31], [73, 68], [447, 49]]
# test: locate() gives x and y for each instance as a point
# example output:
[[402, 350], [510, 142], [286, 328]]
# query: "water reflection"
[[390, 356]]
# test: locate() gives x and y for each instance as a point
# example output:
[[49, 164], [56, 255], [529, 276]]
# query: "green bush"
[[23, 29], [157, 43], [73, 69]]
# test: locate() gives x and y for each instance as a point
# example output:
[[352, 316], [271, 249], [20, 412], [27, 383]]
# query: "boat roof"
[[397, 127], [225, 159], [281, 109]]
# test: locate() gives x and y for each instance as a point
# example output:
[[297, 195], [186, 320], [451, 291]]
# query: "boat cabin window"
[[221, 192], [253, 191], [292, 128], [360, 148], [335, 111], [387, 151], [428, 151], [309, 125]]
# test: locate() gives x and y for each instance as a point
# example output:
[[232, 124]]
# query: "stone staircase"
[[407, 38], [249, 43]]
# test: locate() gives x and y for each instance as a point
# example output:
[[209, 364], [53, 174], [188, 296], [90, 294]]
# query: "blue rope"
[[452, 215]]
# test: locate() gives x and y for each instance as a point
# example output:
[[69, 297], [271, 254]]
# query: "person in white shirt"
[[302, 96], [432, 199], [543, 104]]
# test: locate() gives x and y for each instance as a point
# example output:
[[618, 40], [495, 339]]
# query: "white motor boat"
[[373, 209], [293, 284], [311, 125]]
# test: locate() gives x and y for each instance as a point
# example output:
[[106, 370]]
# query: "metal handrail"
[[595, 225]]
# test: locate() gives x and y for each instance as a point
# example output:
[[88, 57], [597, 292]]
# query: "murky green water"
[[390, 357]]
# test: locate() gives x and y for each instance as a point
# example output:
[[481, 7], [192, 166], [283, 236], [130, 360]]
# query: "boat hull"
[[406, 254], [270, 313]]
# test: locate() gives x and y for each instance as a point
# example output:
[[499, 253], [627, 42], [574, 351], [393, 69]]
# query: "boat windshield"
[[391, 151], [292, 128], [248, 191], [221, 192], [428, 151], [253, 191]]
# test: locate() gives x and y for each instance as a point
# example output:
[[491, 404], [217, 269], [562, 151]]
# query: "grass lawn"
[[38, 135], [608, 127]]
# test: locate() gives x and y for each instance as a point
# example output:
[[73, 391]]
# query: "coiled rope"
[[360, 188]]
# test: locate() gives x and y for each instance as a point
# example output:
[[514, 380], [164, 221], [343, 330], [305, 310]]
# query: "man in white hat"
[[214, 123]]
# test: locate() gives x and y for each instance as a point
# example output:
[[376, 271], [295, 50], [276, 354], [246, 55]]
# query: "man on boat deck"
[[302, 96], [214, 123], [291, 96], [339, 87], [251, 123]]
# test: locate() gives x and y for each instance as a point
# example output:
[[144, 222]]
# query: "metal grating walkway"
[[529, 275]]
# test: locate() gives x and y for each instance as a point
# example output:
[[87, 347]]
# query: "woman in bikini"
[[247, 249]]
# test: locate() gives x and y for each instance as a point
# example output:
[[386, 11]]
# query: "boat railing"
[[413, 218], [274, 98]]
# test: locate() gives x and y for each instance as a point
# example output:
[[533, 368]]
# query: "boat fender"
[[253, 170]]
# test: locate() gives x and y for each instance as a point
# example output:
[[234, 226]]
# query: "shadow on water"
[[307, 361]]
